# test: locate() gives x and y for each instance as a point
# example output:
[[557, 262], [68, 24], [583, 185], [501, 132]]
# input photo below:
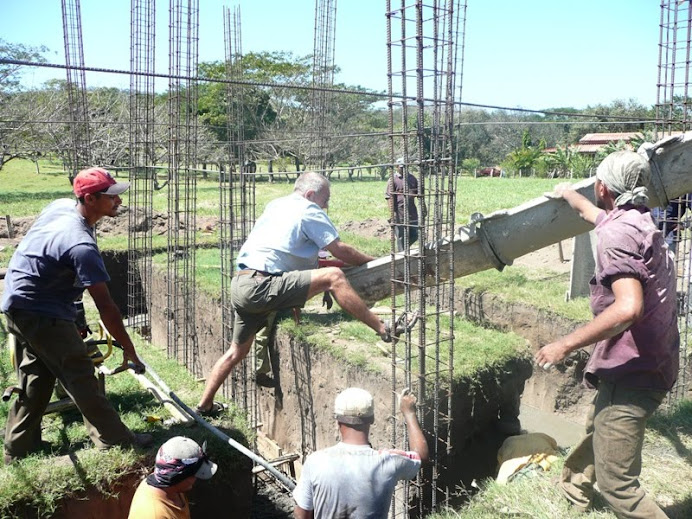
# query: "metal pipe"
[[285, 481]]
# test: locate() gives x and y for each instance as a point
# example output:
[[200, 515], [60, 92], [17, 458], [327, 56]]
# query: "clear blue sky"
[[531, 54]]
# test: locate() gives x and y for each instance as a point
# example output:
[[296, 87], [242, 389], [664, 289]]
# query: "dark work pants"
[[611, 453], [400, 234], [46, 349]]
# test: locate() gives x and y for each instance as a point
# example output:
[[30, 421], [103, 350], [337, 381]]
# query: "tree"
[[17, 129], [526, 158], [9, 74], [470, 166]]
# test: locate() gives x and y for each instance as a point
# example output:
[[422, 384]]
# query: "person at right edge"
[[635, 360]]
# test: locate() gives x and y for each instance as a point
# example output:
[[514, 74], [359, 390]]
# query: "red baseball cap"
[[97, 180]]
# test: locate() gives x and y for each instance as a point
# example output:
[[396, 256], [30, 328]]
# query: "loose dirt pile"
[[371, 228], [116, 226]]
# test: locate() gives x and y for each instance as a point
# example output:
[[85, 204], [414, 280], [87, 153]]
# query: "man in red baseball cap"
[[97, 180], [55, 262]]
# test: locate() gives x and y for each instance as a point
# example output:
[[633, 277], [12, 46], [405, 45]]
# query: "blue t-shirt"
[[54, 263], [288, 236]]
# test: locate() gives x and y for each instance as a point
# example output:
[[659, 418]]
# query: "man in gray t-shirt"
[[55, 263], [351, 479]]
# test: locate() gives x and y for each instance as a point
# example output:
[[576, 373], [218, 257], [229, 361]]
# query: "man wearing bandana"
[[162, 495], [635, 359]]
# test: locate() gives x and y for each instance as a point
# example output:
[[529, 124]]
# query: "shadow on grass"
[[680, 510], [15, 197], [672, 423], [328, 320]]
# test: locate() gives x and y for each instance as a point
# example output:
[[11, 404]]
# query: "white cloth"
[[626, 173], [353, 481]]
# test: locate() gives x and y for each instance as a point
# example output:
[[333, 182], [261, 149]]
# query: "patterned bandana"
[[171, 470]]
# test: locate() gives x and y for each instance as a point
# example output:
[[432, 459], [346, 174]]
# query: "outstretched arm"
[[618, 317], [416, 438], [347, 254]]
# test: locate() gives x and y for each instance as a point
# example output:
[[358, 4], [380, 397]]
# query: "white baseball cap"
[[354, 406]]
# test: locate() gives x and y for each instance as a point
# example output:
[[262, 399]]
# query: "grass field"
[[356, 200]]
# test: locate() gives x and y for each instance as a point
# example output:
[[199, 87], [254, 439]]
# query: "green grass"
[[476, 350], [543, 289], [350, 201], [25, 193], [665, 476]]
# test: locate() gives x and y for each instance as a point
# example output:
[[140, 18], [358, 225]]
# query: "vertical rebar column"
[[78, 156], [322, 81], [142, 165], [236, 189], [672, 115], [422, 139], [182, 182]]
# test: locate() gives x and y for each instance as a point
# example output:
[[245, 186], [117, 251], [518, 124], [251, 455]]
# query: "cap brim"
[[207, 470], [117, 188]]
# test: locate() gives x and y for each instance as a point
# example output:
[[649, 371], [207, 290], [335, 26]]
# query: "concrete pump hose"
[[285, 480]]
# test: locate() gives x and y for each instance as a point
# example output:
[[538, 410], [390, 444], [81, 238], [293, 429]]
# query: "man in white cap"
[[180, 462], [635, 331], [351, 479], [55, 262]]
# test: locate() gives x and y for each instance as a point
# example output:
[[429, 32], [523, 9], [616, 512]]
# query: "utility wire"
[[6, 61]]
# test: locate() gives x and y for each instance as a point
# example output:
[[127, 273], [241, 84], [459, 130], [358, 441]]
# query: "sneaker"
[[215, 410]]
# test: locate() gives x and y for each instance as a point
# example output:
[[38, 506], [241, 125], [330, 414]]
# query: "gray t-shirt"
[[353, 481], [288, 236], [54, 263]]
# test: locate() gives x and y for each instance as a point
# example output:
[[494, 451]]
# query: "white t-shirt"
[[354, 481], [288, 236]]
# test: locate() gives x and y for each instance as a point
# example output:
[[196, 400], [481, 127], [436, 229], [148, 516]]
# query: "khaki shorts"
[[254, 296]]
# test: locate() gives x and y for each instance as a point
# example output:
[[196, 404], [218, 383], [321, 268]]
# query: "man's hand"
[[551, 354], [139, 366], [407, 403], [559, 190], [416, 438]]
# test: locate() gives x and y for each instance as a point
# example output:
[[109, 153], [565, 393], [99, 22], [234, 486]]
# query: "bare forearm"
[[348, 254], [113, 320], [582, 205], [416, 438], [613, 321]]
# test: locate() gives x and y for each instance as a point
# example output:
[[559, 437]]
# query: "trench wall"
[[298, 413]]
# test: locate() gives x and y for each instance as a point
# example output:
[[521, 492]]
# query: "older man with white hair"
[[635, 359], [277, 270]]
